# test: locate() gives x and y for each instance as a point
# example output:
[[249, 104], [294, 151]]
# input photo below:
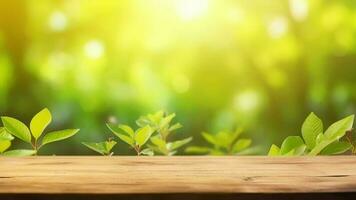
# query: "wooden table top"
[[179, 174]]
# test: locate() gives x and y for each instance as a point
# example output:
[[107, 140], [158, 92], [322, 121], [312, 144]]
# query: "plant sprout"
[[5, 143], [136, 139], [224, 143], [160, 123], [104, 148], [314, 140], [32, 135]]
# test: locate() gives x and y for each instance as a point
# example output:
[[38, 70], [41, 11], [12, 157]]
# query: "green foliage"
[[136, 139], [58, 135], [223, 143], [315, 141], [4, 145], [20, 152], [17, 128], [104, 148], [161, 124], [38, 124]]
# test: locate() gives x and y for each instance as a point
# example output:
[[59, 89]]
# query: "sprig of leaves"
[[136, 139], [160, 122], [103, 148], [315, 141], [31, 135], [223, 143]]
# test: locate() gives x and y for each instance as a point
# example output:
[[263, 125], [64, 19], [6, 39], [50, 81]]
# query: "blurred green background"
[[263, 65]]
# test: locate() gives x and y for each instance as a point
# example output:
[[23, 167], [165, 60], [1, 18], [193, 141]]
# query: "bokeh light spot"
[[94, 49], [58, 21], [277, 27]]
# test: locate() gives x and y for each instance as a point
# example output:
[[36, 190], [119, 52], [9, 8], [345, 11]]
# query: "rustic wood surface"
[[158, 175]]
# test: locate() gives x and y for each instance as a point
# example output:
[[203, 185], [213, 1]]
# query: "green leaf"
[[128, 140], [339, 128], [300, 151], [240, 145], [39, 122], [117, 130], [142, 135], [58, 135], [17, 128], [312, 126], [179, 143], [291, 143], [209, 138], [20, 152], [143, 121], [175, 127], [127, 129], [274, 150], [157, 141], [4, 135], [197, 150], [103, 148], [147, 152], [4, 145], [336, 148], [166, 121]]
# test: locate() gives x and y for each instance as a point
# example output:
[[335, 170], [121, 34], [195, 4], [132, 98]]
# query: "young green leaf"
[[336, 148], [20, 152], [127, 129], [39, 122], [4, 135], [274, 150], [209, 138], [198, 150], [17, 128], [142, 135], [312, 126], [175, 127], [179, 143], [117, 129], [339, 128], [103, 148], [128, 140], [4, 145], [240, 145], [291, 143], [58, 135], [147, 152], [157, 141]]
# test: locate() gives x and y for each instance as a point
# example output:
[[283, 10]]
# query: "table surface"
[[174, 175]]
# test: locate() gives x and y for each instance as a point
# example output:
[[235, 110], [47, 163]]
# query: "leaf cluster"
[[160, 122], [223, 143], [314, 140], [32, 135]]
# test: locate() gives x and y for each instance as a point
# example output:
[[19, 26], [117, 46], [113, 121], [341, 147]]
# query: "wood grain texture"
[[153, 175]]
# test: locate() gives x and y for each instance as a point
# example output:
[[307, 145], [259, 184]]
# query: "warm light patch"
[[58, 21], [191, 9], [94, 49]]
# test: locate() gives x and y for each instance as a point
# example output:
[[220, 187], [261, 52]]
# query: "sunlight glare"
[[190, 9]]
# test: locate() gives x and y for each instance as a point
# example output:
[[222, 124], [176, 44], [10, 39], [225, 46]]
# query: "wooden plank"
[[180, 174]]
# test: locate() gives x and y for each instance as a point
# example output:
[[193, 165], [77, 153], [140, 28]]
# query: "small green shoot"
[[104, 148], [136, 139], [5, 143], [161, 124], [223, 143], [31, 135], [315, 141]]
